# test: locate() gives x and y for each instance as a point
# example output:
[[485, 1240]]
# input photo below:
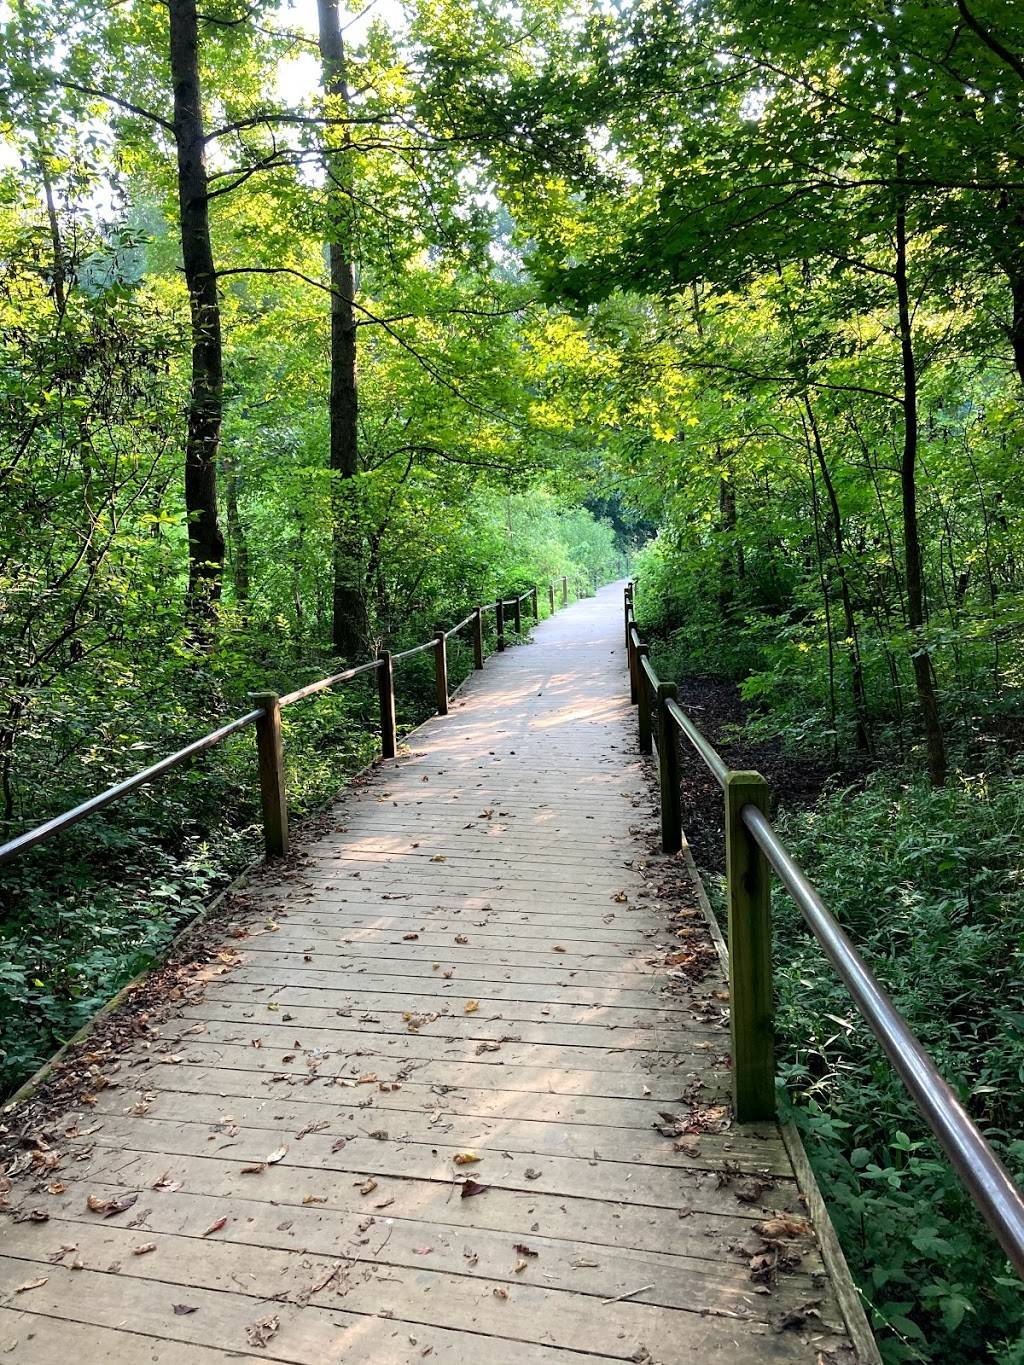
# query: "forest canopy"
[[320, 326]]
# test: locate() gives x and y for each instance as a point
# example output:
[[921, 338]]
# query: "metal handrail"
[[416, 649], [700, 742], [983, 1175], [65, 820], [302, 692], [71, 817], [461, 626], [986, 1179]]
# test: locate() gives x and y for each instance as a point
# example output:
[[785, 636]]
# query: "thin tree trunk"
[[236, 534], [914, 568], [860, 701], [206, 401], [348, 630]]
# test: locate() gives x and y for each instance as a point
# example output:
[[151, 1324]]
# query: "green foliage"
[[929, 886]]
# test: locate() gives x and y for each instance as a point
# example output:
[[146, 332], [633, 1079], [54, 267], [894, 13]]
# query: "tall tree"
[[206, 397], [348, 617]]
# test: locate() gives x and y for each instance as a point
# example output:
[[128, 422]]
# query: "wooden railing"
[[266, 717], [753, 849]]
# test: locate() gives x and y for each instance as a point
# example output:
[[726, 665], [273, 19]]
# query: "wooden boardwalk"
[[476, 975]]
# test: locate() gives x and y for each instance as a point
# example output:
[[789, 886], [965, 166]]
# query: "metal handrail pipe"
[[45, 831], [700, 742], [416, 649], [323, 683], [985, 1178], [461, 626], [648, 669]]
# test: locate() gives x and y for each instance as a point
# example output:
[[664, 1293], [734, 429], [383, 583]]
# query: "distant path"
[[470, 960]]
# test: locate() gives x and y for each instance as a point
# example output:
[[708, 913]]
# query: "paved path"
[[442, 1101]]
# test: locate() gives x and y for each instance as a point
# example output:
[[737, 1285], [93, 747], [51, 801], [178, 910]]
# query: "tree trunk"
[[206, 400], [911, 541], [727, 530], [349, 609], [236, 534], [857, 687]]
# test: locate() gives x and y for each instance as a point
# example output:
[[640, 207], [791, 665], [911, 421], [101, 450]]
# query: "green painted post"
[[751, 998], [669, 776], [441, 672], [643, 710], [386, 694], [273, 795]]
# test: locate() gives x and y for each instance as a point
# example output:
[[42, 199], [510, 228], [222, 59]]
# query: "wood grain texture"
[[470, 958]]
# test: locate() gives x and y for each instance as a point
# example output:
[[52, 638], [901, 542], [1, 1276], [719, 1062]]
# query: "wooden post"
[[499, 617], [533, 603], [628, 606], [669, 774], [631, 661], [386, 692], [517, 616], [441, 671], [751, 1004], [274, 797], [565, 591], [643, 697], [478, 637], [551, 597]]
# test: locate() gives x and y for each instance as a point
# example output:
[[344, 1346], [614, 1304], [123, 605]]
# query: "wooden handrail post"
[[565, 591], [517, 616], [628, 609], [533, 602], [551, 597], [273, 793], [386, 692], [499, 619], [751, 1001], [668, 773], [478, 637], [441, 671], [631, 664], [643, 710]]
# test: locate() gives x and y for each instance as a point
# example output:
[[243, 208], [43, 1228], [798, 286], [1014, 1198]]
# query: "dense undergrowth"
[[929, 883], [82, 915]]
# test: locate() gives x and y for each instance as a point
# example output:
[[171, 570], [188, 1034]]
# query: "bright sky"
[[300, 76]]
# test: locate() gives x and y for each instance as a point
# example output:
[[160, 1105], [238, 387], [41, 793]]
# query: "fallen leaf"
[[31, 1284], [470, 1187], [531, 1173], [182, 1310], [500, 1293], [166, 1185], [257, 1168], [525, 1250], [259, 1333], [465, 1158], [462, 938], [109, 1207], [277, 1156], [144, 1249], [368, 1186], [439, 858], [215, 1226], [471, 1007]]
